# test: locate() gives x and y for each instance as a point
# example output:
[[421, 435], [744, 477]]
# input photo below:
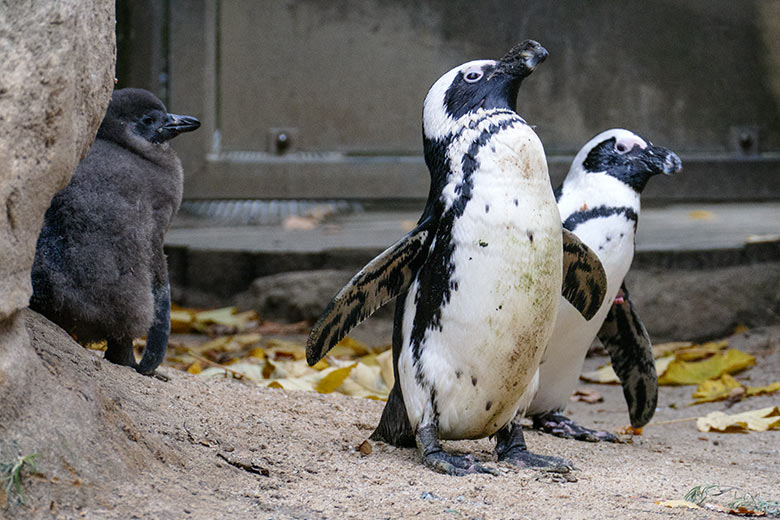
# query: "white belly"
[[612, 240], [473, 369]]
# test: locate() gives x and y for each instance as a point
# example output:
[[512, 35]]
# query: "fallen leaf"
[[681, 372], [586, 396], [181, 320], [761, 390], [332, 378], [678, 503], [755, 420], [701, 214], [228, 317], [195, 368], [726, 387], [607, 375], [385, 360]]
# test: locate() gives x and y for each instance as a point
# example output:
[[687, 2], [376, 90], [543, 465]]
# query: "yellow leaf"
[[279, 348], [195, 368], [664, 349], [701, 214], [678, 503], [756, 420], [607, 375], [385, 360], [322, 364], [727, 387], [181, 320], [369, 381], [332, 378], [356, 347], [257, 353], [694, 372], [226, 316], [759, 390]]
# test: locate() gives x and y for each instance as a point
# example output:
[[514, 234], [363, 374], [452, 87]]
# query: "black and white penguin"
[[99, 270], [599, 202], [479, 278]]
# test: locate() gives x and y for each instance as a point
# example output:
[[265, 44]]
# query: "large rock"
[[56, 78], [294, 296], [705, 303]]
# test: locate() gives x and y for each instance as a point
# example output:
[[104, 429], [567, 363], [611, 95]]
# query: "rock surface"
[[705, 303], [56, 78], [297, 295], [113, 444]]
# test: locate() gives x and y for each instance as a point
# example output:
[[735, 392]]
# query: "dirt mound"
[[114, 444]]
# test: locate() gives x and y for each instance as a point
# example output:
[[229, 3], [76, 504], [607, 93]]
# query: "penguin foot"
[[525, 459], [561, 426], [440, 461], [456, 465]]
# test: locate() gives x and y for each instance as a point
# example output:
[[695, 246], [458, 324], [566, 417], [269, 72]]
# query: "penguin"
[[599, 202], [99, 270], [478, 280]]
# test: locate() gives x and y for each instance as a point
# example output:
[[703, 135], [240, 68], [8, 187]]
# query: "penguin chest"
[[469, 368]]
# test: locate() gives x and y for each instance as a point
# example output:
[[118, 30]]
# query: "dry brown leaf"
[[586, 396]]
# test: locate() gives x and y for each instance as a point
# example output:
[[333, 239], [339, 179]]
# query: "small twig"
[[671, 421], [237, 375], [251, 468]]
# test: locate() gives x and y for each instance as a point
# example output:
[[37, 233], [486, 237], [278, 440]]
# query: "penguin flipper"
[[584, 279], [629, 346], [159, 332], [381, 280]]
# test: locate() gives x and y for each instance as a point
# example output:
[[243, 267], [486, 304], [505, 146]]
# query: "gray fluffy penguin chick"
[[99, 270]]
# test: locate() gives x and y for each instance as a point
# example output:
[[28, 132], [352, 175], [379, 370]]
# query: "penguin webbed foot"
[[561, 426], [511, 448], [441, 461]]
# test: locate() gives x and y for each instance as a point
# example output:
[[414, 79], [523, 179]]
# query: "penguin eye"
[[621, 147], [147, 120], [473, 76]]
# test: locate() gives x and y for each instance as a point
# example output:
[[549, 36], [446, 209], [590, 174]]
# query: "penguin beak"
[[521, 60], [175, 125], [664, 160]]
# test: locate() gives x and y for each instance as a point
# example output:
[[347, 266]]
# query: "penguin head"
[[626, 156], [478, 85], [136, 114]]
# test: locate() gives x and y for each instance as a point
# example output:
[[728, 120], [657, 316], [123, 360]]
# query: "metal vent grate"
[[264, 212]]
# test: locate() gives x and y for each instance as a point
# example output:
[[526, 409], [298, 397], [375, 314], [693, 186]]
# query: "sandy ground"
[[196, 448]]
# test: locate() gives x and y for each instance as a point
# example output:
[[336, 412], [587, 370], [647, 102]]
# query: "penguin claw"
[[563, 427], [526, 459], [456, 465]]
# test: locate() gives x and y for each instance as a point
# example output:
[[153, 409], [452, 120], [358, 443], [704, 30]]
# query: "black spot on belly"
[[458, 373], [487, 208], [482, 243], [488, 405], [531, 237], [515, 202], [500, 307], [473, 381]]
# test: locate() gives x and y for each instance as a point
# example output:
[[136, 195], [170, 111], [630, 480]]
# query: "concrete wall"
[[344, 80]]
